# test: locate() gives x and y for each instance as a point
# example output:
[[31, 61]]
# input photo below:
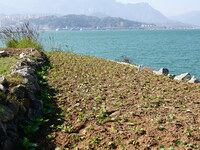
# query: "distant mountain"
[[70, 22], [99, 15], [189, 18], [141, 12]]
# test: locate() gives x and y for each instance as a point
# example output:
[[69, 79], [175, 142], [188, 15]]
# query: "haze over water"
[[177, 50]]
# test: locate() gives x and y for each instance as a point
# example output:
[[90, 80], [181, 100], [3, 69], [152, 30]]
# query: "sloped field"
[[106, 105]]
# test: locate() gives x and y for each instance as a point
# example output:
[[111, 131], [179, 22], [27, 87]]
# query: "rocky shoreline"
[[18, 100], [164, 71]]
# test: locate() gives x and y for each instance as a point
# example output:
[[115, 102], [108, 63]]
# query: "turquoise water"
[[177, 50]]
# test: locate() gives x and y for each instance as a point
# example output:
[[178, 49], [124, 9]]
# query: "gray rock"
[[22, 55], [31, 62], [24, 72], [19, 91], [32, 96], [171, 76], [21, 65], [12, 126], [3, 134], [14, 106], [3, 54], [37, 104], [3, 80], [29, 79], [22, 111], [2, 88], [32, 83], [13, 135], [183, 77], [36, 109], [140, 67], [7, 114], [9, 145], [162, 71], [193, 80], [12, 131]]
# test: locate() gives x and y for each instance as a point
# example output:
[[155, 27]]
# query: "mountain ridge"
[[141, 12], [69, 22], [189, 18]]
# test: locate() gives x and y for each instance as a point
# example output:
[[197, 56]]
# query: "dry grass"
[[6, 63]]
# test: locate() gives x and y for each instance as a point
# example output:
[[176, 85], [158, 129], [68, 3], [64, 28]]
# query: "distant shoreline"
[[153, 29]]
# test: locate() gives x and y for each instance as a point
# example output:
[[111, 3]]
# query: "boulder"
[[12, 131], [36, 109], [140, 67], [14, 106], [6, 115], [3, 54], [3, 134], [171, 76], [3, 80], [183, 77], [2, 88], [19, 91], [37, 104], [21, 65], [193, 80], [162, 71], [24, 72], [22, 55], [29, 79], [22, 111], [9, 145], [31, 62]]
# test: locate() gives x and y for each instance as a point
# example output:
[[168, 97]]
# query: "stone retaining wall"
[[18, 95]]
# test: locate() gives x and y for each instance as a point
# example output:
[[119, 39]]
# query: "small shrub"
[[12, 43], [21, 37], [28, 43]]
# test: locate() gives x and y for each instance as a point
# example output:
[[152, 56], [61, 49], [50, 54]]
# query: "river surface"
[[177, 50]]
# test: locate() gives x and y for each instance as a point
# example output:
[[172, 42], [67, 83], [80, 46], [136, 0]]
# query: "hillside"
[[141, 12], [85, 22], [189, 18], [101, 104]]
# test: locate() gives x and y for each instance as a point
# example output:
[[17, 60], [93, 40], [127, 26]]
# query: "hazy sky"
[[167, 7], [171, 7]]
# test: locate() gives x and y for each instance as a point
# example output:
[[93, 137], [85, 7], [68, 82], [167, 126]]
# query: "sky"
[[170, 7], [167, 7]]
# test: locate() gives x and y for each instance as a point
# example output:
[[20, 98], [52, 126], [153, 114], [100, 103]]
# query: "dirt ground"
[[103, 105], [15, 51]]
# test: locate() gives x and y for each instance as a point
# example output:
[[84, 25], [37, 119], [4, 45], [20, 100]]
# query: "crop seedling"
[[161, 128], [131, 123], [96, 140], [170, 148], [31, 129], [27, 144], [135, 143], [179, 142], [140, 131], [188, 132], [48, 137], [162, 147], [171, 116]]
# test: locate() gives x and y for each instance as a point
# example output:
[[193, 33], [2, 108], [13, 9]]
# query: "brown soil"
[[15, 51], [105, 105]]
